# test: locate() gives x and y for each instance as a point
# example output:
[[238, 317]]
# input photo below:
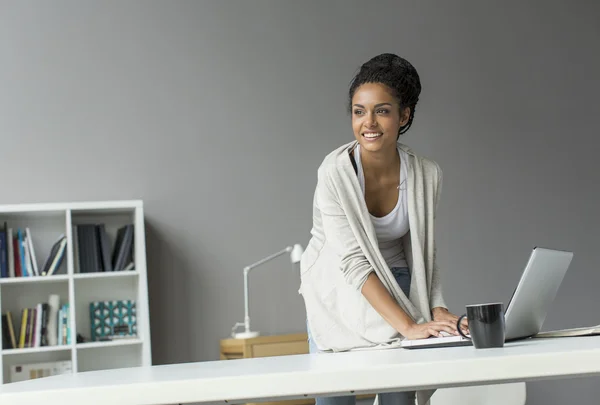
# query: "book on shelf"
[[112, 320], [45, 324], [18, 255], [572, 332], [93, 252]]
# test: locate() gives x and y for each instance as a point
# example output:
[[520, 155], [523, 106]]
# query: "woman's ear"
[[404, 116]]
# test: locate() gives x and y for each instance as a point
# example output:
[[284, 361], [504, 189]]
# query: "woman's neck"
[[380, 163]]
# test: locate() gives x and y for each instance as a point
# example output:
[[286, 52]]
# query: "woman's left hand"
[[442, 314]]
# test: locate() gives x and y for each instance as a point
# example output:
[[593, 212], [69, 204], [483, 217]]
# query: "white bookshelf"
[[47, 222]]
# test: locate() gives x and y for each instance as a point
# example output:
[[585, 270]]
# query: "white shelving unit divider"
[[47, 222]]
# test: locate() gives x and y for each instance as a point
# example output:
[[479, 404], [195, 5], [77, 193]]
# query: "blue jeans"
[[402, 276]]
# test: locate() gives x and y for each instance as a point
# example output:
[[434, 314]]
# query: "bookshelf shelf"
[[128, 273], [95, 254], [36, 279], [94, 345], [42, 349]]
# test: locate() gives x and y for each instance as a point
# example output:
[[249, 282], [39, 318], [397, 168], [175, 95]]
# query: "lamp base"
[[246, 335]]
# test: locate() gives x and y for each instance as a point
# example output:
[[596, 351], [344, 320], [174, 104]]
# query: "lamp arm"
[[266, 259], [247, 270]]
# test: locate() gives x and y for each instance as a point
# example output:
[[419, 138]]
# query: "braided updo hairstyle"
[[398, 75]]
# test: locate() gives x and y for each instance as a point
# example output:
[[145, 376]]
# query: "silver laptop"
[[528, 306]]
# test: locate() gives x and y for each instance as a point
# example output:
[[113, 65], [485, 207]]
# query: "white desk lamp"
[[295, 256]]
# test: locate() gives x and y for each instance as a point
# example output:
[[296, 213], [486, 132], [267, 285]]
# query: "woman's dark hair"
[[396, 73]]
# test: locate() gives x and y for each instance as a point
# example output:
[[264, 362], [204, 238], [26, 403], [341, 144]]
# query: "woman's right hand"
[[428, 329]]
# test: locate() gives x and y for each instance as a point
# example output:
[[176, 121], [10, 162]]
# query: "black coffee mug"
[[486, 325]]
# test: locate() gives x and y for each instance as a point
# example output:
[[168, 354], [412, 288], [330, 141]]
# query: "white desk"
[[290, 377]]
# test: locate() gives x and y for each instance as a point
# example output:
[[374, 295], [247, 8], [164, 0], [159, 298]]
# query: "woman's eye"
[[357, 112], [383, 111]]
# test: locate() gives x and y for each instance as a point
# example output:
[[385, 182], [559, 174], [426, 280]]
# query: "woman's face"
[[376, 117]]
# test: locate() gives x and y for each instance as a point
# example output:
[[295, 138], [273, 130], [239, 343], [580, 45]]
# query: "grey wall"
[[217, 115]]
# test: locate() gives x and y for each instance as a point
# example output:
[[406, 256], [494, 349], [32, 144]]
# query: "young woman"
[[369, 275]]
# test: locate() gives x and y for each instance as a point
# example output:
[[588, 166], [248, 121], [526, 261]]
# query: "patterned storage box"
[[112, 319]]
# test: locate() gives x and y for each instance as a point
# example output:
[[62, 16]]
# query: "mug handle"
[[458, 328]]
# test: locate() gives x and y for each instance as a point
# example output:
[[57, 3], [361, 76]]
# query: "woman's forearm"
[[377, 295]]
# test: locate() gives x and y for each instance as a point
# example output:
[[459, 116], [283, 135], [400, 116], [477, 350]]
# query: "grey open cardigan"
[[343, 250]]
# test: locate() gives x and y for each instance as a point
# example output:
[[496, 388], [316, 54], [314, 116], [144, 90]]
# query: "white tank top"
[[392, 227]]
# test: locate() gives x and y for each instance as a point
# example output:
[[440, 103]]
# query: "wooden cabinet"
[[266, 346]]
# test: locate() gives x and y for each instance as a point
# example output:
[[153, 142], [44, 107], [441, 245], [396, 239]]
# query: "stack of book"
[[46, 324], [18, 258], [93, 252]]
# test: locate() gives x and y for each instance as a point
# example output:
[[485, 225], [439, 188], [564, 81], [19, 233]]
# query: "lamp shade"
[[296, 253]]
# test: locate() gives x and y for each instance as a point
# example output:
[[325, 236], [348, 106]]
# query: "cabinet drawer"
[[279, 349]]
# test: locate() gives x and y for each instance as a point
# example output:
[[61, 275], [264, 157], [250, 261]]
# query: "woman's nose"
[[371, 122]]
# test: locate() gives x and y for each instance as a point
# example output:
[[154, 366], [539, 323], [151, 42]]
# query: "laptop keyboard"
[[446, 340]]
